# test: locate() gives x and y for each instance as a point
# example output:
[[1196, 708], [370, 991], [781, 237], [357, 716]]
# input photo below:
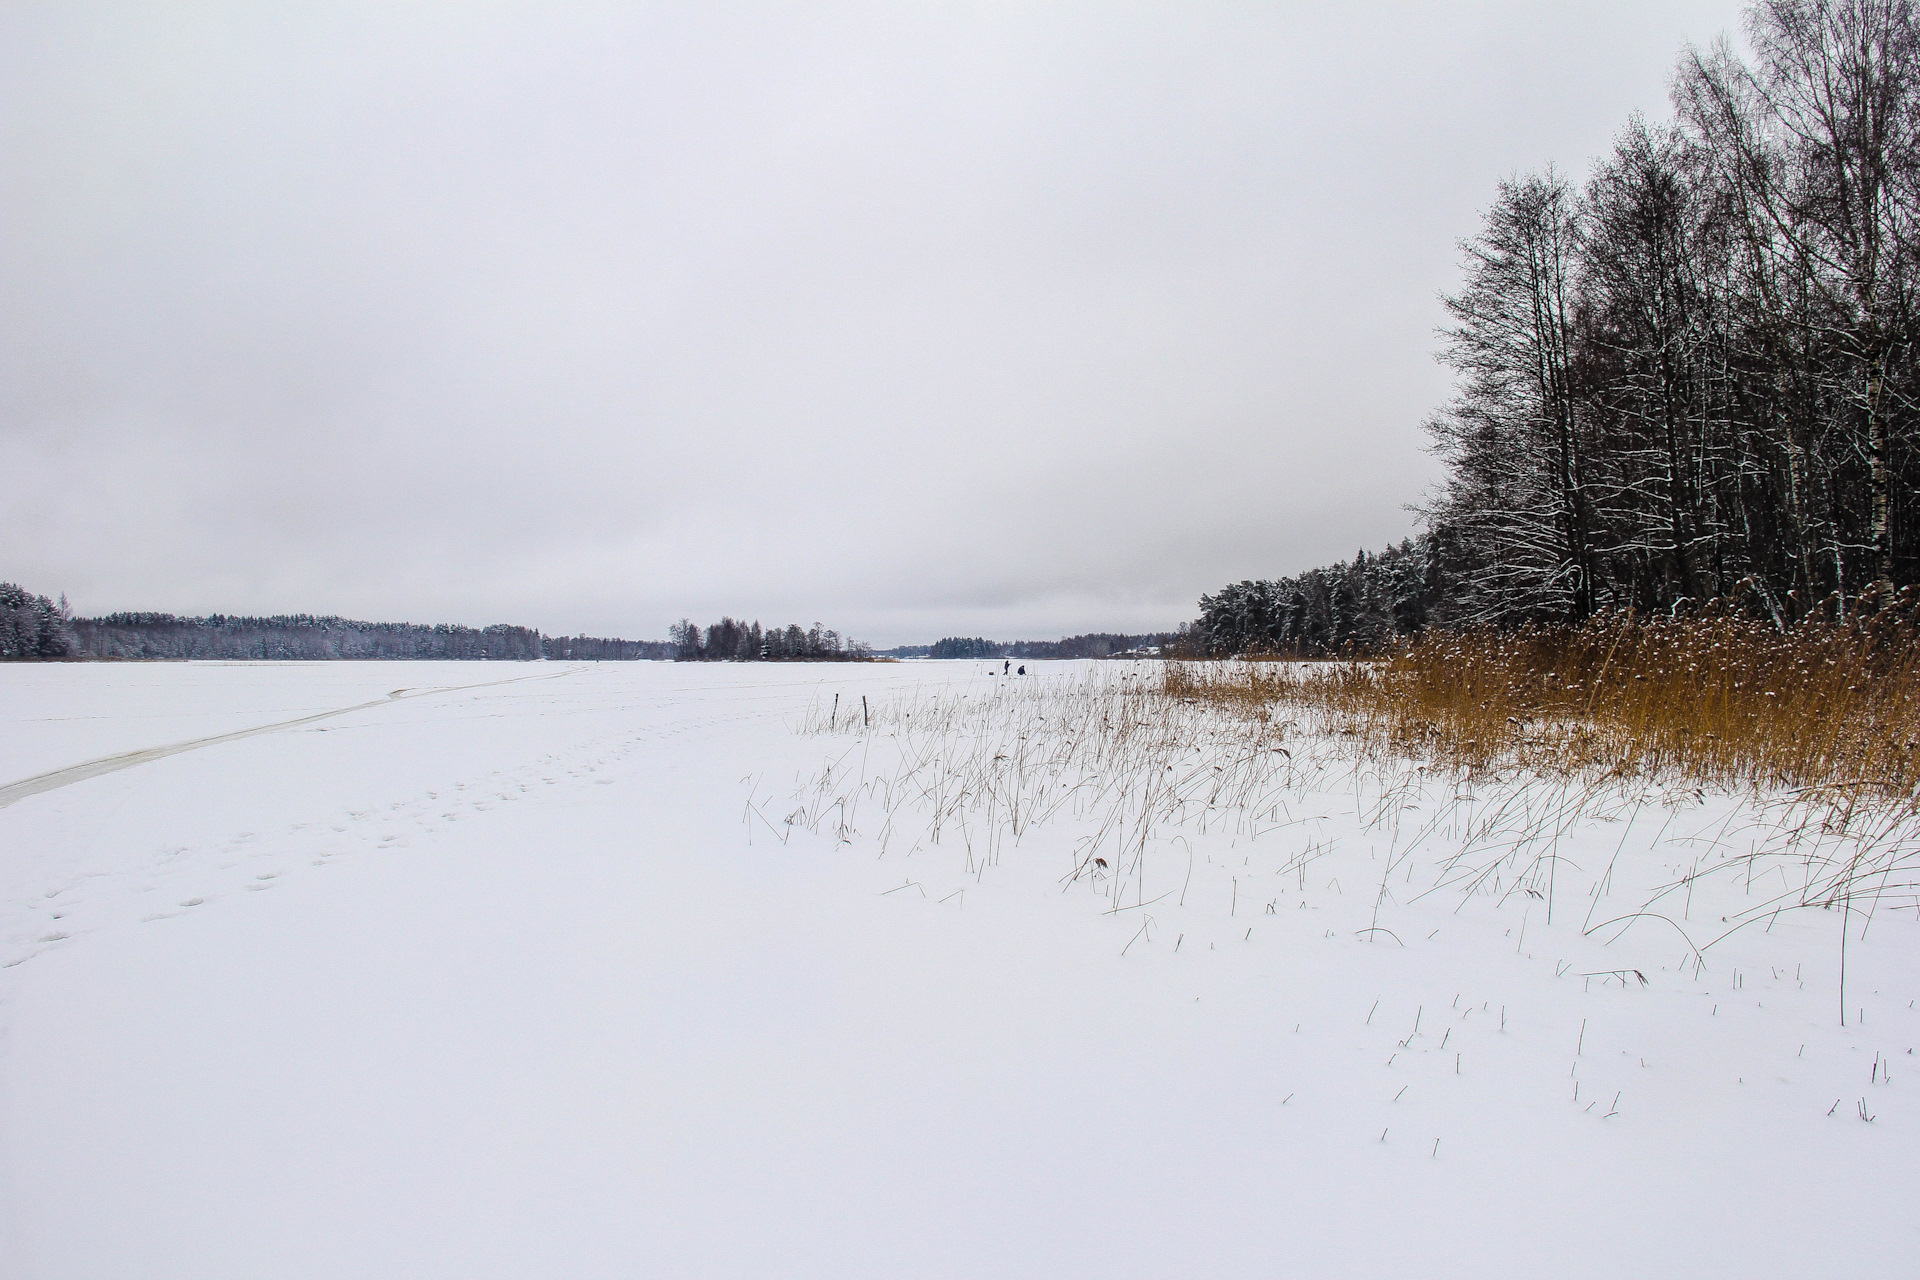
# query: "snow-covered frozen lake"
[[518, 970]]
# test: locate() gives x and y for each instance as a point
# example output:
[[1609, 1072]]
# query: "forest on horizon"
[[34, 626]]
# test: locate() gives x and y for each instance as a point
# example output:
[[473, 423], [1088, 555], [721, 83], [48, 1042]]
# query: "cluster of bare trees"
[[1692, 378], [1695, 376], [731, 641]]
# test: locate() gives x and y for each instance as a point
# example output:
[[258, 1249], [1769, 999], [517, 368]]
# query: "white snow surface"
[[527, 972]]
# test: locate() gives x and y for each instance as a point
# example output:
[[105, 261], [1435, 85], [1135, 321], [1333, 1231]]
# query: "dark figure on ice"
[[1006, 666], [1023, 669]]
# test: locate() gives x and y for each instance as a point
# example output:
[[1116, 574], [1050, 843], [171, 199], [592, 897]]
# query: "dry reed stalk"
[[1828, 706], [1472, 756]]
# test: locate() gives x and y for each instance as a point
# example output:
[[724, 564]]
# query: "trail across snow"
[[66, 777], [612, 970]]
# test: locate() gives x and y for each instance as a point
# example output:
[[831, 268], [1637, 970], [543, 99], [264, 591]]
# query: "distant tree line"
[[963, 647], [294, 637], [1092, 645], [731, 641], [595, 649], [32, 626], [1695, 377]]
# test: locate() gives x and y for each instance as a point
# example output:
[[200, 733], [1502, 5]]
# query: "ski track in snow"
[[246, 861], [874, 1057], [12, 792]]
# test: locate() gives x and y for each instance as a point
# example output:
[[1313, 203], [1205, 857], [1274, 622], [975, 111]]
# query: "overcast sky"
[[916, 320]]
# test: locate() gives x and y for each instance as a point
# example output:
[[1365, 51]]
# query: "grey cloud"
[[912, 319]]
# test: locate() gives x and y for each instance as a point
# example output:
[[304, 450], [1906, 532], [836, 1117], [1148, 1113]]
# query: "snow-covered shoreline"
[[534, 977]]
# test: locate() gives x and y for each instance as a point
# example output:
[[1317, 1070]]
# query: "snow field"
[[646, 969]]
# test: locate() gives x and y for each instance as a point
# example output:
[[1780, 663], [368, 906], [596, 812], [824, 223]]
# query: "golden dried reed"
[[1827, 705]]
